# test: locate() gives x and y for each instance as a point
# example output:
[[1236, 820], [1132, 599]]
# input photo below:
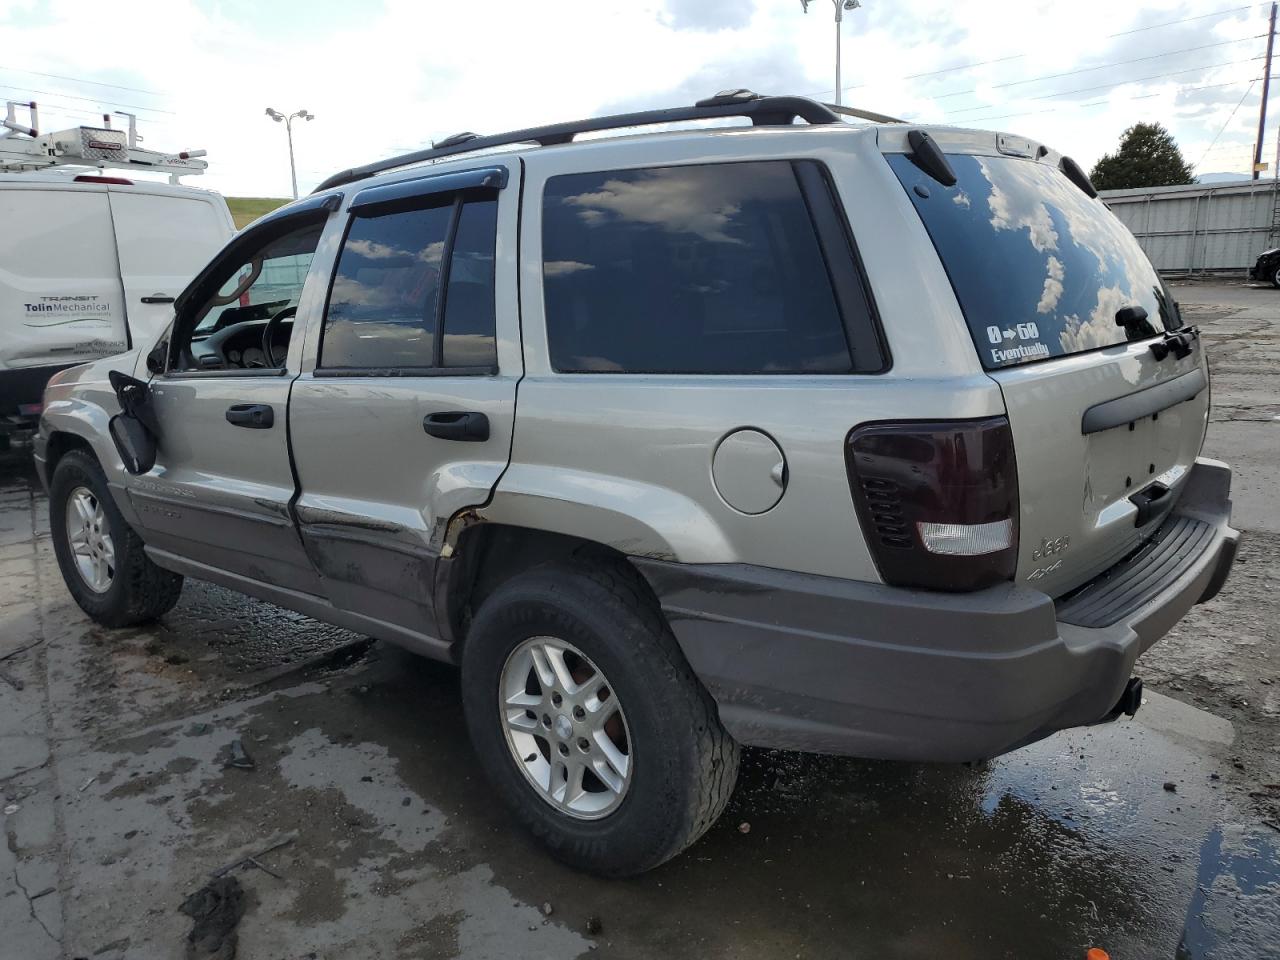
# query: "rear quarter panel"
[[626, 459]]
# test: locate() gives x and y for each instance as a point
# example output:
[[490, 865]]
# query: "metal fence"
[[1200, 228]]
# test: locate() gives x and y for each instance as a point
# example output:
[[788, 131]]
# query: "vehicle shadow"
[[814, 856]]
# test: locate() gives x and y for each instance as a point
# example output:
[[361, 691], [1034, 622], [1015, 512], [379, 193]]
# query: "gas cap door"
[[749, 471]]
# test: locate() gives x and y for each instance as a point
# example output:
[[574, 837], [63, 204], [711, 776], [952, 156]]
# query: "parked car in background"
[[1267, 267], [879, 441], [90, 266]]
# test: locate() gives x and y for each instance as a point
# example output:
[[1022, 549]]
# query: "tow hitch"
[[1129, 701]]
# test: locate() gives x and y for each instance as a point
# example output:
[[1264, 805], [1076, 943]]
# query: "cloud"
[[676, 199], [1020, 209], [1099, 328], [709, 14], [378, 89], [1052, 286], [563, 268]]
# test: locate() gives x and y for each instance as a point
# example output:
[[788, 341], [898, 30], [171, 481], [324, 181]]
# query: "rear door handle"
[[457, 425], [255, 416]]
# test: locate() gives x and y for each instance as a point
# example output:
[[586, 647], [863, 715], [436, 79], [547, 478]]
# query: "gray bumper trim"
[[813, 663]]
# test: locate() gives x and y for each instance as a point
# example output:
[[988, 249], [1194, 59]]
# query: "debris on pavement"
[[216, 909], [1171, 786], [547, 909], [239, 757], [594, 926], [252, 858], [744, 827]]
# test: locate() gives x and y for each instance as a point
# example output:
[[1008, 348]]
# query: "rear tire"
[[681, 764], [101, 558]]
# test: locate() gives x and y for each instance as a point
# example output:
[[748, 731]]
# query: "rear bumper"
[[23, 387], [812, 663]]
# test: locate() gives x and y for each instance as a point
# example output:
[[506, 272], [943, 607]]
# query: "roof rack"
[[762, 111], [23, 148]]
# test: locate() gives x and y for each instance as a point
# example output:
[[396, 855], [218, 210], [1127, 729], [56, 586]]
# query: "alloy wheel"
[[89, 536], [565, 727]]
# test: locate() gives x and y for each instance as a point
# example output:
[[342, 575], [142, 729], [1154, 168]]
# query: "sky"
[[388, 76]]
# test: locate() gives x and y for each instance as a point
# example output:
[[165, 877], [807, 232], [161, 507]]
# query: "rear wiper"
[[1135, 323], [1138, 327]]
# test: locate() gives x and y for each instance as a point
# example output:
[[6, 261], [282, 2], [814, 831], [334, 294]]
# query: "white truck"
[[90, 263]]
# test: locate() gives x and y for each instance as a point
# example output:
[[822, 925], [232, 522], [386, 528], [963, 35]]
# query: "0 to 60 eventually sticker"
[[1021, 331]]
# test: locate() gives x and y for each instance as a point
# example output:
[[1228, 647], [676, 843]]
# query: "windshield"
[[1039, 268]]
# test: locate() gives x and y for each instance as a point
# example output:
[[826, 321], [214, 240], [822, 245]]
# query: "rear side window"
[[701, 269], [1039, 268], [413, 289]]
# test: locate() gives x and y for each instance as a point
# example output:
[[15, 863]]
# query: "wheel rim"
[[565, 728], [89, 536]]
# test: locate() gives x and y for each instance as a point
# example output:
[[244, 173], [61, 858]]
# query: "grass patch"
[[245, 210]]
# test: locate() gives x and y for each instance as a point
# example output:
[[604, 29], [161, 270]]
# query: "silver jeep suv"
[[876, 440]]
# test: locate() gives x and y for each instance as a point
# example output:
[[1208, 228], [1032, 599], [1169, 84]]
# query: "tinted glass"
[[696, 269], [469, 313], [383, 303], [1039, 268]]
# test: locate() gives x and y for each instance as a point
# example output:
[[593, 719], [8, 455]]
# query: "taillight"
[[89, 178], [938, 502]]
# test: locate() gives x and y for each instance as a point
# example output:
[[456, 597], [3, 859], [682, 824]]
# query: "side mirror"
[[136, 446], [157, 356]]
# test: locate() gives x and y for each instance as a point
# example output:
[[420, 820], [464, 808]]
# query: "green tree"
[[1148, 156]]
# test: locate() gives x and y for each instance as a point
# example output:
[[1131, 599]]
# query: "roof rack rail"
[[762, 111], [23, 148], [862, 114]]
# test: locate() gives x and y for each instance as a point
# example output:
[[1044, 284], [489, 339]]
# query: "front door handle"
[[255, 416], [457, 425], [158, 298]]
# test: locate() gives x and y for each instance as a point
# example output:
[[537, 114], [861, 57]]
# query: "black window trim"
[[401, 195], [843, 261], [230, 373], [827, 236], [464, 185]]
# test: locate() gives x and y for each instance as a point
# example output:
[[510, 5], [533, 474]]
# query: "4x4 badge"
[[1049, 548]]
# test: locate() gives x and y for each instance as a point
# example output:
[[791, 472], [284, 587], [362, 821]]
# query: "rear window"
[[1039, 268], [695, 269]]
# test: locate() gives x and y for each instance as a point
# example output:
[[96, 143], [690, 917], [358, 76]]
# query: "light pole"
[[279, 117], [841, 6]]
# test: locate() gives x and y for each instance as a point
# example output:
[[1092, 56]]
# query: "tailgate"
[[1107, 398], [1080, 492]]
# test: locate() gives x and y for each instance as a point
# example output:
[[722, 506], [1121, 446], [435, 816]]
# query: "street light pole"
[[279, 117], [841, 6]]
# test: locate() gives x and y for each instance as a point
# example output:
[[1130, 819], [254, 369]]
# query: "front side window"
[[245, 321], [713, 268], [413, 289]]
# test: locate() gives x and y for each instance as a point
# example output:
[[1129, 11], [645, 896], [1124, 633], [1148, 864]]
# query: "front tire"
[[101, 558], [1275, 278], [589, 722]]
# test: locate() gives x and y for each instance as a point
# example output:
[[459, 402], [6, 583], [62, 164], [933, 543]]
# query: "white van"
[[89, 265]]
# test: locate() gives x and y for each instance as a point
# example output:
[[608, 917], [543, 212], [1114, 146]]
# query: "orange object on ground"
[[1096, 953]]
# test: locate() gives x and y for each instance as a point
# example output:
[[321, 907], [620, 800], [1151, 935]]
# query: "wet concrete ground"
[[118, 800]]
